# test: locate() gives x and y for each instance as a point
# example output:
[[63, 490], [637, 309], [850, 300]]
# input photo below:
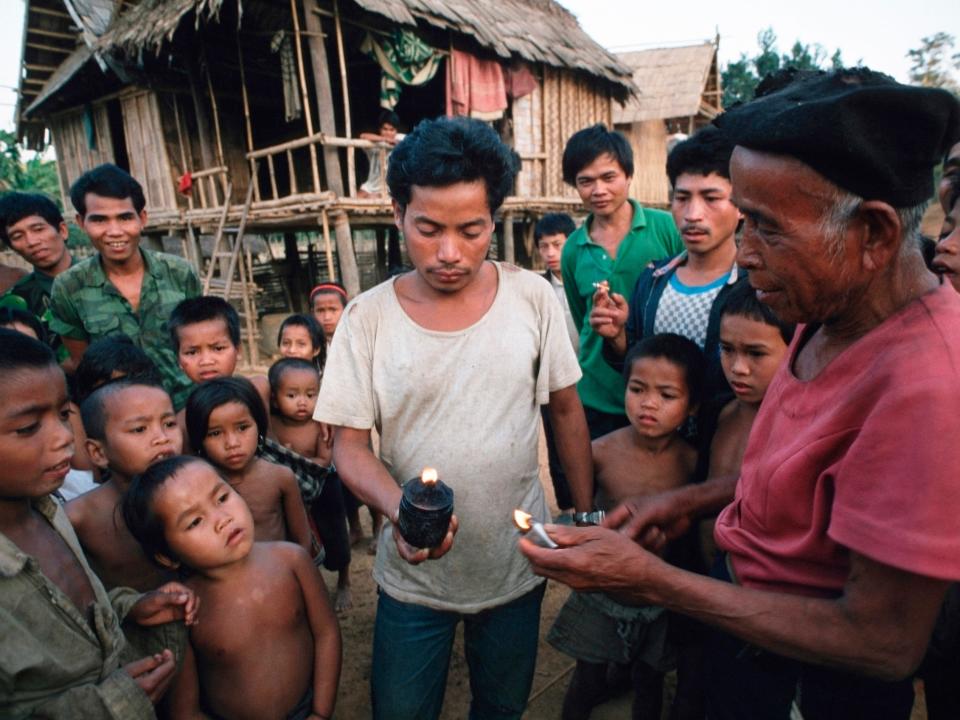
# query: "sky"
[[878, 33]]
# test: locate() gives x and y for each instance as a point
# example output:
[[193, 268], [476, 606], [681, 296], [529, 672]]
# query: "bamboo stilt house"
[[679, 92], [247, 112]]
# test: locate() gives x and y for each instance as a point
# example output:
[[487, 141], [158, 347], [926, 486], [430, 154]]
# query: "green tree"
[[741, 77], [933, 64]]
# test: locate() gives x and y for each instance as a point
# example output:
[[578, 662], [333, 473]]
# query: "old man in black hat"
[[841, 534]]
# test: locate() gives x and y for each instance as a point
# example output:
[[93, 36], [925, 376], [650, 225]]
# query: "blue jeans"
[[412, 645]]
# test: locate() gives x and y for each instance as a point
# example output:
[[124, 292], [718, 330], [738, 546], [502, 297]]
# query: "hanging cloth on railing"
[[475, 87], [292, 104], [404, 59]]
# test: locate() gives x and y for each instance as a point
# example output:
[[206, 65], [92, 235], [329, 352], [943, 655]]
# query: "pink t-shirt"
[[865, 457]]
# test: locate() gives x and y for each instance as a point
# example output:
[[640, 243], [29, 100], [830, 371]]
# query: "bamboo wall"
[[527, 113], [147, 150], [74, 154], [649, 142]]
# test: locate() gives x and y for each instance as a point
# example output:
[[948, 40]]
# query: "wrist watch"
[[594, 517]]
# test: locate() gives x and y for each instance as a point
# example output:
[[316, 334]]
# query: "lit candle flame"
[[522, 519], [428, 476]]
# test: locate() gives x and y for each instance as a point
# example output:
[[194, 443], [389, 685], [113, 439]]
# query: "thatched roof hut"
[[679, 92]]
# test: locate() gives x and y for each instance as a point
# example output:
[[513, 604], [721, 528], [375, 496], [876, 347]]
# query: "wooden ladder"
[[230, 273]]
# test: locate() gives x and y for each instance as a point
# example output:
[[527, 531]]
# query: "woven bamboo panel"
[[649, 142], [147, 151], [74, 154]]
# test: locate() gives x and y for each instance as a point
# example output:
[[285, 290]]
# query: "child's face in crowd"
[[141, 429], [296, 394], [947, 259], [205, 522], [750, 353], [327, 310], [657, 400], [550, 248], [232, 436], [36, 441], [295, 342], [206, 350]]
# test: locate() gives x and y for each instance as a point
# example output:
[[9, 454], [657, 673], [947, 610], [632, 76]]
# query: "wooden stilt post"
[[331, 270], [347, 129], [509, 252], [307, 111], [350, 275]]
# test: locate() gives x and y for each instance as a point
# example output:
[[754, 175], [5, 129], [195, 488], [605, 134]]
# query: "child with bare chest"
[[268, 645], [226, 422], [665, 375], [129, 425], [294, 386]]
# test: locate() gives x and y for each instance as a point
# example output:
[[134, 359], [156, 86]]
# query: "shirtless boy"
[[665, 380], [226, 422], [53, 663], [269, 646], [130, 425]]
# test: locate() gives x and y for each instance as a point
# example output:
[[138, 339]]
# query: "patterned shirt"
[[35, 289], [685, 309], [53, 663], [86, 306]]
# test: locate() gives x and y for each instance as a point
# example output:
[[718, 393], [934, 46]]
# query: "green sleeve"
[[64, 317], [568, 263]]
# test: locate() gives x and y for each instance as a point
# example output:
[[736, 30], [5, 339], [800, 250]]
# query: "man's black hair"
[[22, 352], [553, 224], [138, 505], [742, 301], [15, 206], [706, 151], [677, 349], [11, 315], [210, 395], [201, 309], [93, 410], [586, 145], [109, 355], [109, 181], [444, 151], [388, 117]]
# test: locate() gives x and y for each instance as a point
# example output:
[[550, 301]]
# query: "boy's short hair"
[[201, 309], [210, 395], [553, 224], [109, 355], [444, 151], [22, 352], [388, 117], [680, 351], [742, 301], [586, 145], [93, 410], [137, 505], [109, 181], [706, 151], [15, 206], [10, 315], [283, 366]]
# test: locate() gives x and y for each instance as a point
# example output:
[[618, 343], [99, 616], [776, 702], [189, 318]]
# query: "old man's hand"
[[651, 520], [593, 558], [414, 555]]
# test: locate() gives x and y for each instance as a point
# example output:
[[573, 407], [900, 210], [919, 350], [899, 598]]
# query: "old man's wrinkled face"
[[801, 274]]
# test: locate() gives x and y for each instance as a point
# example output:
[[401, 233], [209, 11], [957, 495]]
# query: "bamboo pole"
[[183, 151], [341, 56], [213, 108], [246, 98], [509, 253], [307, 112], [326, 244]]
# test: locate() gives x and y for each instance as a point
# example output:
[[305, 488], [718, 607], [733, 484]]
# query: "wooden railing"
[[212, 188]]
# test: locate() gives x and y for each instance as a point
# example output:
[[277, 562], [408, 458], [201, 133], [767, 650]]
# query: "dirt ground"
[[553, 668]]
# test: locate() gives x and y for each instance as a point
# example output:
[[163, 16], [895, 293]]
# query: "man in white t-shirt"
[[451, 363]]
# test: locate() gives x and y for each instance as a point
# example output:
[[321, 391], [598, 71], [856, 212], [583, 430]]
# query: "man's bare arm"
[[569, 426], [879, 626]]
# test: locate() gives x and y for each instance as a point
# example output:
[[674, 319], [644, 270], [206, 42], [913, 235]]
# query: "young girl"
[[226, 422], [268, 644], [300, 336], [665, 379], [327, 301], [294, 385]]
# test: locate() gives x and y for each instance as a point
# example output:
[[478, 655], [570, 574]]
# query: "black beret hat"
[[860, 129]]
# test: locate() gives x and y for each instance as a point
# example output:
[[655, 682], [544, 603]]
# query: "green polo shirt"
[[86, 306], [652, 236]]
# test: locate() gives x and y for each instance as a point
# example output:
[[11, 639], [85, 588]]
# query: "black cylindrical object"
[[425, 511]]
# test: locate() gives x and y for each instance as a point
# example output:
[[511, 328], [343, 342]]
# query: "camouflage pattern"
[[86, 306]]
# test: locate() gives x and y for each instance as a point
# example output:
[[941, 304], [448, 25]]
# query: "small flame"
[[522, 519], [428, 476]]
